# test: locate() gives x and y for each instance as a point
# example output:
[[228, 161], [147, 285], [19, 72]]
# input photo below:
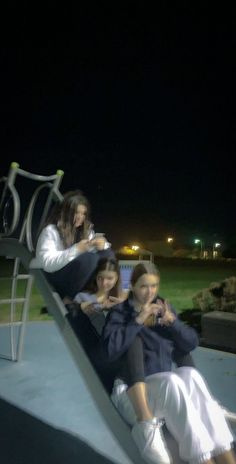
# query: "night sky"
[[135, 105]]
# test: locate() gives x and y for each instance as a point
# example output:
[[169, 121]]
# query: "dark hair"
[[62, 215], [106, 264], [141, 269]]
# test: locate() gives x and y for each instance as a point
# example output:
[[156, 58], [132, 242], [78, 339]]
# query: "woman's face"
[[80, 215], [146, 288], [106, 280]]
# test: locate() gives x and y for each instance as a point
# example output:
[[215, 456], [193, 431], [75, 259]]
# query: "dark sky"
[[134, 104]]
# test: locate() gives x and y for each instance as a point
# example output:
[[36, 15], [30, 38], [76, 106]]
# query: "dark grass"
[[37, 301], [181, 279]]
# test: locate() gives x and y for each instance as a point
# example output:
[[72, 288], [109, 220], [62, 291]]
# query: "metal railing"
[[10, 193]]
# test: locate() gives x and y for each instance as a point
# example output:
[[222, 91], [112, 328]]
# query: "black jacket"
[[161, 344]]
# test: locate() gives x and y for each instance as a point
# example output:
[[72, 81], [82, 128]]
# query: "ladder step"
[[12, 300], [22, 276], [10, 324], [18, 277]]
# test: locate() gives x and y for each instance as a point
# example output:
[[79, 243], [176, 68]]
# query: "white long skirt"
[[191, 414]]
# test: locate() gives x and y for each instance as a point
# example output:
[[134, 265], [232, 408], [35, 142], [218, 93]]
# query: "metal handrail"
[[25, 236], [9, 184]]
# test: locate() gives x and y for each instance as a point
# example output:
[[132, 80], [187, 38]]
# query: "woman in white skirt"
[[181, 399]]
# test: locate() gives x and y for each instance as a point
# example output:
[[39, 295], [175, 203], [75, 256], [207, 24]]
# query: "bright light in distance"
[[135, 247], [197, 240], [170, 239], [217, 245]]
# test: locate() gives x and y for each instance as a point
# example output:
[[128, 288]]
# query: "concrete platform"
[[48, 385]]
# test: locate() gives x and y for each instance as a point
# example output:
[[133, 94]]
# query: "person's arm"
[[122, 327], [88, 303], [185, 338], [114, 301], [49, 253], [118, 333]]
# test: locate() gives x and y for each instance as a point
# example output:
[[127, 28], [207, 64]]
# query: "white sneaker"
[[149, 439]]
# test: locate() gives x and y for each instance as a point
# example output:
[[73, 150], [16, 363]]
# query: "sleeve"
[[84, 297], [185, 338], [78, 298], [49, 254], [118, 333]]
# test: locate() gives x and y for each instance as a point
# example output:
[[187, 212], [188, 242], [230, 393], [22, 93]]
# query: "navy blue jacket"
[[160, 343]]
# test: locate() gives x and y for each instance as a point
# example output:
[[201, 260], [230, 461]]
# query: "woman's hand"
[[166, 317], [88, 307], [159, 309], [112, 301], [83, 246], [98, 242], [146, 311]]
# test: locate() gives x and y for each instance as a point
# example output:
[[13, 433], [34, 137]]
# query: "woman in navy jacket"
[[182, 397]]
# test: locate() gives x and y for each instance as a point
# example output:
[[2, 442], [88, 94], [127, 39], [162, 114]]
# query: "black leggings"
[[132, 368], [73, 277]]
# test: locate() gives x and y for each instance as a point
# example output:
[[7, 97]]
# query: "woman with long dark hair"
[[102, 292], [68, 249]]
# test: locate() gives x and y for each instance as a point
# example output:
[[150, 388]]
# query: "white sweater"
[[51, 255]]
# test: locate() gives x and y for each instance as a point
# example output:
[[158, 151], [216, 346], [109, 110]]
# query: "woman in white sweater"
[[68, 249]]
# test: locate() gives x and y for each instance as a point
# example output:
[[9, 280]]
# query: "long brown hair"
[[63, 214], [106, 264], [139, 271]]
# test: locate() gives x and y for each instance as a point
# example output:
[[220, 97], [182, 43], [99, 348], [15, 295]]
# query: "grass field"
[[180, 280], [5, 292]]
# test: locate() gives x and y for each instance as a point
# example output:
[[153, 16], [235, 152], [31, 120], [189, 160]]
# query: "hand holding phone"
[[98, 241]]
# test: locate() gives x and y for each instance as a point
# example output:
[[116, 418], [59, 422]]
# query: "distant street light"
[[198, 240], [126, 250], [136, 250], [170, 239], [214, 252]]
